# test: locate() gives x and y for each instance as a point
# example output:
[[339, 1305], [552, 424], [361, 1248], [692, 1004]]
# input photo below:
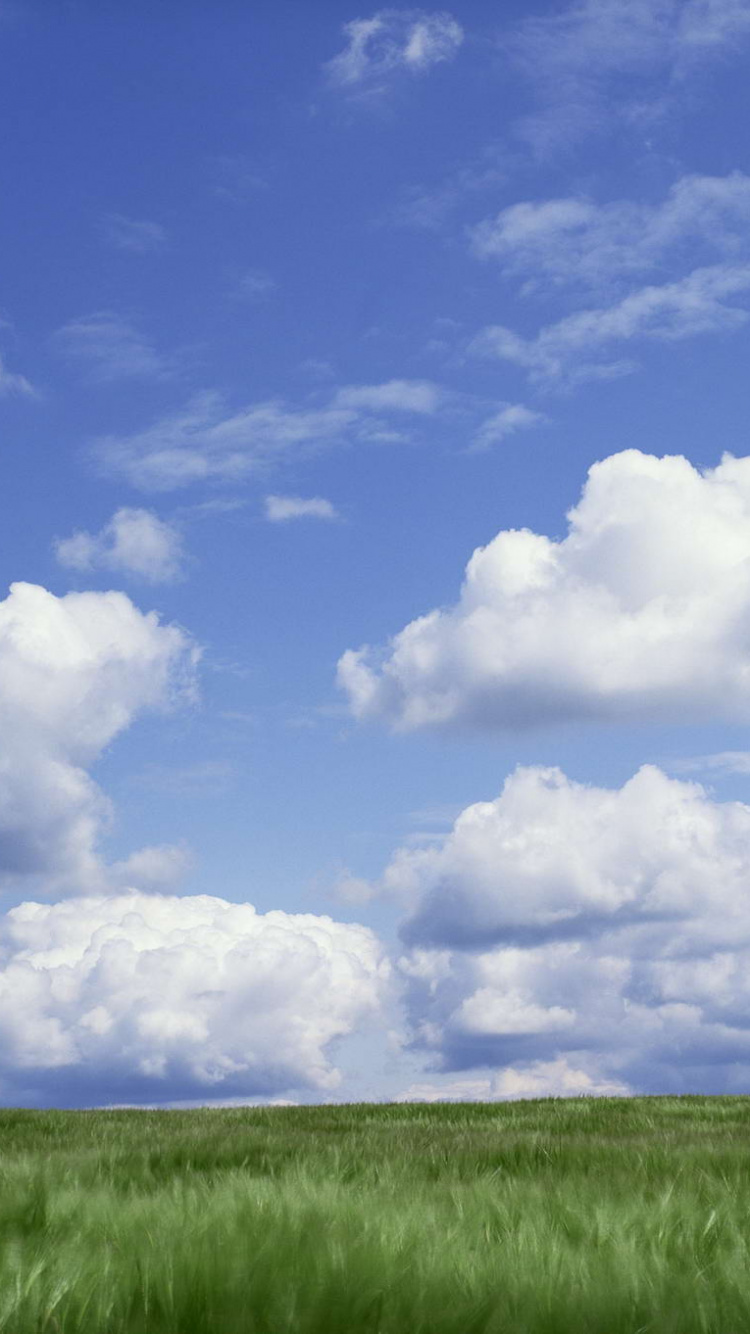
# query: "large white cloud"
[[150, 998], [74, 672], [641, 613], [608, 930]]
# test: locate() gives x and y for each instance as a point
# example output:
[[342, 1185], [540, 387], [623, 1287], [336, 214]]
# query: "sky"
[[375, 612]]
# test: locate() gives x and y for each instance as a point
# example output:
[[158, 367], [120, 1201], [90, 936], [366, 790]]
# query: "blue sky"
[[301, 306]]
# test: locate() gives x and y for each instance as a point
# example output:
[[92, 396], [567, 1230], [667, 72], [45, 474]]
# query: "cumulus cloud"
[[642, 612], [208, 442], [146, 998], [134, 542], [74, 673], [111, 348], [394, 40], [579, 347], [598, 60], [279, 509], [137, 235], [572, 928], [577, 241]]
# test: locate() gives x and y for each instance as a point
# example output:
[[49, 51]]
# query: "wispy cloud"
[[111, 348], [253, 285], [724, 762], [601, 60], [511, 418], [202, 779], [393, 40], [134, 542], [430, 207], [279, 509], [575, 348], [11, 383], [138, 235], [236, 177], [575, 241], [205, 441], [421, 396]]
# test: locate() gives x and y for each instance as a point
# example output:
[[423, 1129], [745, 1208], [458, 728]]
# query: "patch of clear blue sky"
[[214, 122]]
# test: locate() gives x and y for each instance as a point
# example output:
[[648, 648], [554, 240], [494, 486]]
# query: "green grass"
[[582, 1216]]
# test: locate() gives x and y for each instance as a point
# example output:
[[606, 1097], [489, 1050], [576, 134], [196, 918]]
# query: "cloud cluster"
[[207, 442], [74, 673], [156, 998], [606, 929], [135, 542], [393, 40], [642, 612]]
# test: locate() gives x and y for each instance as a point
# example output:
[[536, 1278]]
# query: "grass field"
[[592, 1216]]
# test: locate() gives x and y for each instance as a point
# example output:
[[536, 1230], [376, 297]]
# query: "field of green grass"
[[580, 1216]]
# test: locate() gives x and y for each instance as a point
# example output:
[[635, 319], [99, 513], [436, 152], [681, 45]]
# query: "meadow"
[[599, 1216]]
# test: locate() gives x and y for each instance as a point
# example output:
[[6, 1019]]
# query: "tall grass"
[[583, 1216]]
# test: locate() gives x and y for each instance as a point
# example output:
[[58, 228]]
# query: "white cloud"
[[74, 672], [574, 240], [145, 997], [537, 1079], [576, 348], [511, 418], [205, 441], [281, 508], [572, 932], [641, 613], [111, 348], [137, 235], [601, 60], [421, 396], [724, 762], [12, 383], [158, 867], [394, 40], [134, 542]]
